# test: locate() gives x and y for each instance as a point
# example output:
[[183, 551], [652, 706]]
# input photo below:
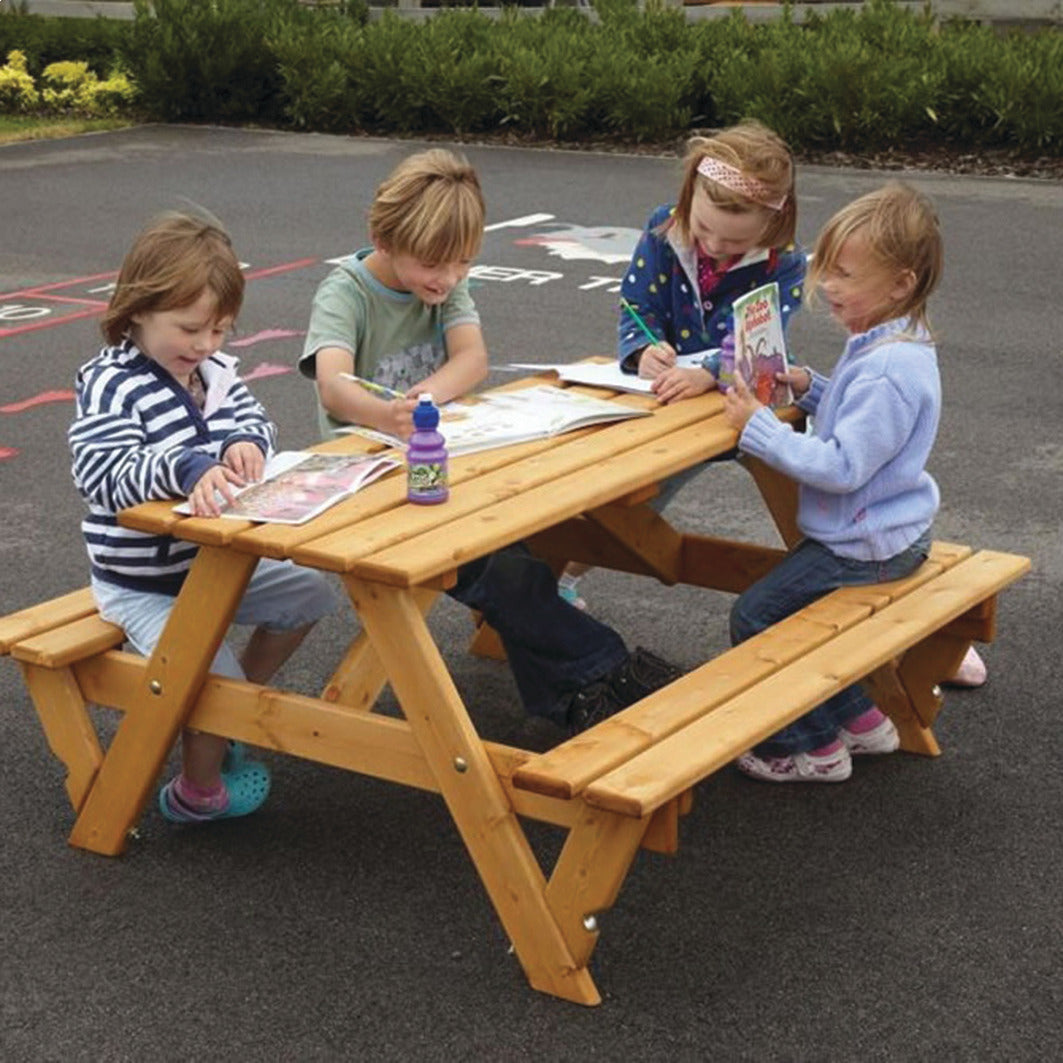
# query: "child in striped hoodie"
[[161, 413]]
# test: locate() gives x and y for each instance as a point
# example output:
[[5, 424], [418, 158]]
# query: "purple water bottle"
[[426, 456]]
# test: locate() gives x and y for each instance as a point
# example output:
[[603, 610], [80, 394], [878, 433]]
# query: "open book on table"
[[760, 348], [298, 485], [607, 374], [502, 419]]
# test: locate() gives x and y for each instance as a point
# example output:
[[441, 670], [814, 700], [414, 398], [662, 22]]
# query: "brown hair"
[[903, 234], [758, 153], [172, 262], [431, 206]]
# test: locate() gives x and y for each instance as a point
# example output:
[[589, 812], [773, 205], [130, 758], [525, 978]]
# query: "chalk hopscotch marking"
[[266, 369], [38, 400], [261, 337]]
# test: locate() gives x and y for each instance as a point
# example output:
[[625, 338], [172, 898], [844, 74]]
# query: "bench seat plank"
[[567, 769], [69, 643], [687, 756], [28, 622]]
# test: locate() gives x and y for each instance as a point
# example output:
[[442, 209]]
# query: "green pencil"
[[638, 321]]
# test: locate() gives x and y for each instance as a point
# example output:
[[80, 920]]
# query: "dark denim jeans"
[[553, 648], [806, 574]]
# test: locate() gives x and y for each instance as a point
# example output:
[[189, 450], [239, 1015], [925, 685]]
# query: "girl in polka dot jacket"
[[732, 230]]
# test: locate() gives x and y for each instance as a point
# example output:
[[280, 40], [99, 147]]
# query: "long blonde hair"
[[758, 154], [431, 206], [902, 234], [173, 260]]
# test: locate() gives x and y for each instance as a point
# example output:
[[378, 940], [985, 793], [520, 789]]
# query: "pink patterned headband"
[[741, 183]]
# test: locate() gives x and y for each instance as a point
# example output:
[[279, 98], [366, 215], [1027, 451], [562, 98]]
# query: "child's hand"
[[676, 383], [655, 359], [739, 404], [397, 419], [217, 478], [800, 380], [246, 460]]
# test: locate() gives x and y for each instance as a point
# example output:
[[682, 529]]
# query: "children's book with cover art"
[[760, 348], [298, 485]]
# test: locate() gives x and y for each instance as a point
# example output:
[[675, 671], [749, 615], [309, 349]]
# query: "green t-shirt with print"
[[395, 339]]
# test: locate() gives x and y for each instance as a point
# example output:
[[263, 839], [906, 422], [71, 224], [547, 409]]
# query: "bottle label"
[[427, 479]]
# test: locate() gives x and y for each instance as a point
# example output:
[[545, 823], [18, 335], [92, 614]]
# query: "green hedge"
[[860, 81]]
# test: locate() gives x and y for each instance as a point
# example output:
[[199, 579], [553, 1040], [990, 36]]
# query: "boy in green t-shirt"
[[399, 314]]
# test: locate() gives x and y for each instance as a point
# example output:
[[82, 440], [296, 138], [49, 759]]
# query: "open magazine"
[[298, 485], [504, 418], [760, 348], [607, 374]]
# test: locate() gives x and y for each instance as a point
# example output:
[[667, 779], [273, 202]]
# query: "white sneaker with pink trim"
[[798, 767], [882, 738]]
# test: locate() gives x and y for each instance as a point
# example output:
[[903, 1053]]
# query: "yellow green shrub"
[[104, 99], [63, 84], [18, 93]]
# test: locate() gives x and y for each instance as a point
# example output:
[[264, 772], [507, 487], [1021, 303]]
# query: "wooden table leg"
[[201, 616], [477, 802], [780, 496], [590, 872], [360, 678]]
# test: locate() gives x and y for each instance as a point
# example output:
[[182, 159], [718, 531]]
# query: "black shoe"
[[591, 705], [641, 674]]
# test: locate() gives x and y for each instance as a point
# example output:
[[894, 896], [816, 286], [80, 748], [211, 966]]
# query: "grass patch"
[[25, 127]]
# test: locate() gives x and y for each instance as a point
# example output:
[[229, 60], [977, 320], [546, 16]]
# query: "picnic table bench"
[[616, 788]]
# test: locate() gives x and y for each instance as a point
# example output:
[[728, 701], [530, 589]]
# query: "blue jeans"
[[806, 574], [553, 648]]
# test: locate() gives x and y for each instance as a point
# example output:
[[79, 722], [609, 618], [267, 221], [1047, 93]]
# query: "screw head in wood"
[[155, 686], [460, 766]]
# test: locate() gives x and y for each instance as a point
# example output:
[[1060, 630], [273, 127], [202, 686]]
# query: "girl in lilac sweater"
[[866, 501]]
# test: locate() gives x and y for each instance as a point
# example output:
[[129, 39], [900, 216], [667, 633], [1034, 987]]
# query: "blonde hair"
[[903, 235], [431, 206], [173, 260], [753, 149]]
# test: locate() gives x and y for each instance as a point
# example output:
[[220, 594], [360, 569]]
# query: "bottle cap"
[[425, 414]]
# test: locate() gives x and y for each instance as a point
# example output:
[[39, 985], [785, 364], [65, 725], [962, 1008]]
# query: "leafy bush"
[[17, 90], [51, 40], [63, 84], [862, 80], [208, 60]]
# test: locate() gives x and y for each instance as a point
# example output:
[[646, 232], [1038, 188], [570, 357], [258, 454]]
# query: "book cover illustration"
[[760, 348], [297, 485]]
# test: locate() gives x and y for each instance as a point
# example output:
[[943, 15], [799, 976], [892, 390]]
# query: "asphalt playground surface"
[[912, 913]]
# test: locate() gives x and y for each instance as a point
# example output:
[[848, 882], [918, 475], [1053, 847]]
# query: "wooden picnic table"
[[615, 789], [584, 492]]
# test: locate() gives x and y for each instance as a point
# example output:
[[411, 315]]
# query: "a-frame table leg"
[[475, 797], [201, 616]]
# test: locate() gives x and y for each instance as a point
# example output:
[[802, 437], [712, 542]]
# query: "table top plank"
[[570, 454]]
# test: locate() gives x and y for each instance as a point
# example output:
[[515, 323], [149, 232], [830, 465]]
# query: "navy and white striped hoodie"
[[139, 436]]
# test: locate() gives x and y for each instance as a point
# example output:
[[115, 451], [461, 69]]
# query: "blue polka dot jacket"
[[661, 283]]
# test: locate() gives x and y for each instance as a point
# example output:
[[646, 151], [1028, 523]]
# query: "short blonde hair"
[[903, 235], [173, 260], [431, 206], [758, 153]]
